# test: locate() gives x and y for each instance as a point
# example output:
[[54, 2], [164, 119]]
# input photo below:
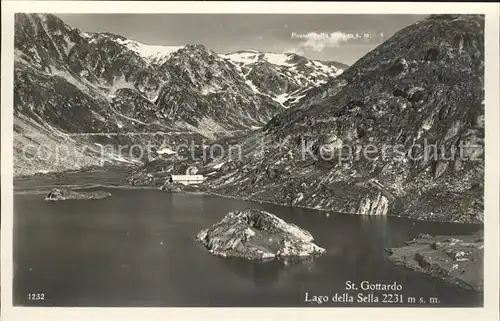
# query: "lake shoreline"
[[205, 192], [342, 213]]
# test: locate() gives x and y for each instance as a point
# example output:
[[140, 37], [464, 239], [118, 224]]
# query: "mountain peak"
[[454, 17], [39, 21], [244, 51], [109, 35], [198, 47]]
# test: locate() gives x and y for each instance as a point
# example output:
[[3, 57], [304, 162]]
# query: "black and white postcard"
[[325, 158]]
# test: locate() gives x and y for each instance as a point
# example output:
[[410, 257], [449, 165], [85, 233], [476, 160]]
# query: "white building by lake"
[[186, 179]]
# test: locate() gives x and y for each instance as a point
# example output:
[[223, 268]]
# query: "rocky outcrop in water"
[[58, 194], [254, 234], [455, 259]]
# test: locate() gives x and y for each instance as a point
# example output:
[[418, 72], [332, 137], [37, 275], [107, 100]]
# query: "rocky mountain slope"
[[357, 143], [284, 77], [71, 82]]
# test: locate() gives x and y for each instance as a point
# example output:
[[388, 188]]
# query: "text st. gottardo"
[[366, 292]]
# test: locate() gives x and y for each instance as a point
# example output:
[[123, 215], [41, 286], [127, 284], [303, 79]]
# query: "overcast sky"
[[343, 38]]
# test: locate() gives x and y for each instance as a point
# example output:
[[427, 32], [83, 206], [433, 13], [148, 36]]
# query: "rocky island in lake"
[[254, 234], [457, 259], [58, 194]]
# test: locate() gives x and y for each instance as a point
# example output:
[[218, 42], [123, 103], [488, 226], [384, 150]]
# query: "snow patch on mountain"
[[282, 98], [277, 59], [119, 83], [207, 127], [166, 151], [210, 89], [251, 56], [243, 57], [157, 54], [251, 85]]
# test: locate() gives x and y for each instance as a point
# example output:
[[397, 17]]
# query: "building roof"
[[187, 177]]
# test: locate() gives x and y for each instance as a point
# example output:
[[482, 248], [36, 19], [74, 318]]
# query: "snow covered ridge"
[[157, 54], [247, 57], [251, 56], [296, 72], [153, 53], [160, 53]]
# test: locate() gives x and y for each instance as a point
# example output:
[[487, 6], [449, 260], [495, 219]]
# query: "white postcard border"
[[491, 276]]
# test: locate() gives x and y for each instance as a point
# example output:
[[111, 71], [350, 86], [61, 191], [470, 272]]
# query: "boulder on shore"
[[254, 234], [58, 194], [455, 259], [172, 187]]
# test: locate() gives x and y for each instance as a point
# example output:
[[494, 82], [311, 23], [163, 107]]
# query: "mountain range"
[[416, 102], [71, 82]]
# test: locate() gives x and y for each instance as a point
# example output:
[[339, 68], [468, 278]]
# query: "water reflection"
[[182, 202], [270, 272]]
